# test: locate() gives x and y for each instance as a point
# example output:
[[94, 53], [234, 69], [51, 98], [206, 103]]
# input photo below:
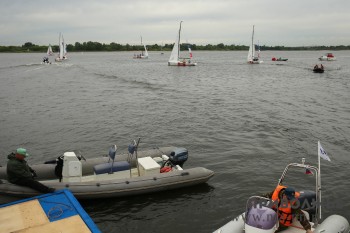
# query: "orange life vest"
[[284, 208]]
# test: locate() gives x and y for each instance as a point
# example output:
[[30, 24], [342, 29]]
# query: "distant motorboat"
[[327, 57], [46, 61], [279, 59], [318, 69]]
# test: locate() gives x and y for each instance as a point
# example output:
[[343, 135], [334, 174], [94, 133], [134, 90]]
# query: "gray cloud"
[[278, 22]]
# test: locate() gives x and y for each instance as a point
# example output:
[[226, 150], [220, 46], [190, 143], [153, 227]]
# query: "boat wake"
[[145, 84]]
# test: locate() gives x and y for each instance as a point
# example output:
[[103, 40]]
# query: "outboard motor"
[[307, 201], [178, 156]]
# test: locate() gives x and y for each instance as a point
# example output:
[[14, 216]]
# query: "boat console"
[[72, 169]]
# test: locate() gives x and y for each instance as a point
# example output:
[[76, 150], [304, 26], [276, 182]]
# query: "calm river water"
[[245, 122]]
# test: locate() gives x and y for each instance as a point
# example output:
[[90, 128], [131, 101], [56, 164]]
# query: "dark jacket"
[[296, 211], [18, 169]]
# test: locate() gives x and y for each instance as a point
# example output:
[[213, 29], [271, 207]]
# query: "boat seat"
[[111, 167]]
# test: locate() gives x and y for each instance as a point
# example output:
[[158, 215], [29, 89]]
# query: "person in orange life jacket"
[[20, 173], [288, 208]]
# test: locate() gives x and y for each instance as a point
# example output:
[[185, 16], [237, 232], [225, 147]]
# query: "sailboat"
[[49, 50], [161, 49], [62, 55], [252, 58], [175, 59], [143, 54]]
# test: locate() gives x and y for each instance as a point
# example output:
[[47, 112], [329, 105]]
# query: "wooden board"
[[21, 216], [72, 224]]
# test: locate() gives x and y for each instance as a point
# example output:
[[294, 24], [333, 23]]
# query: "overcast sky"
[[277, 22]]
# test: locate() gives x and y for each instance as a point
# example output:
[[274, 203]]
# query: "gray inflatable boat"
[[112, 176], [261, 217]]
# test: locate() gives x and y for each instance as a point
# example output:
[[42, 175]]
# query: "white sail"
[[61, 47], [174, 56], [64, 48], [49, 51], [251, 53], [146, 52]]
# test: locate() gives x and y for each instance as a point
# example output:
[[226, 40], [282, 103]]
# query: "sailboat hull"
[[140, 57], [180, 63], [255, 62]]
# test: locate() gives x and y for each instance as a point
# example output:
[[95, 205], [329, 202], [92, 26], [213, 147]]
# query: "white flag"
[[322, 153]]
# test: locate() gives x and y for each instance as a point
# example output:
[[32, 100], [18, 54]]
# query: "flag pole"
[[319, 178]]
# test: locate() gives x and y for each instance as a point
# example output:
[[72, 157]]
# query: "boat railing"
[[316, 173]]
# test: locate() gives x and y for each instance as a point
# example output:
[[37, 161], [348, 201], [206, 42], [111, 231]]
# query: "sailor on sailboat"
[[175, 59], [252, 58]]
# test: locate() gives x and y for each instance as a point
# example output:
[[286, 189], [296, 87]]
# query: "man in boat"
[[288, 208], [20, 173]]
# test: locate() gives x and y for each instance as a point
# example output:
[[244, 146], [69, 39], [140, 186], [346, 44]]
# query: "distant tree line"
[[96, 46]]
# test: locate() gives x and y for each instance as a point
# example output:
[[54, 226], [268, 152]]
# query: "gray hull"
[[116, 188], [47, 171], [332, 224]]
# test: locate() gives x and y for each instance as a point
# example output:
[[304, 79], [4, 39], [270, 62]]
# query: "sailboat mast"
[[63, 46], [178, 44], [253, 48], [59, 40], [60, 47]]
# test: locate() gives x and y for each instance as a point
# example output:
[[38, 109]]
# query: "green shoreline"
[[90, 46]]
